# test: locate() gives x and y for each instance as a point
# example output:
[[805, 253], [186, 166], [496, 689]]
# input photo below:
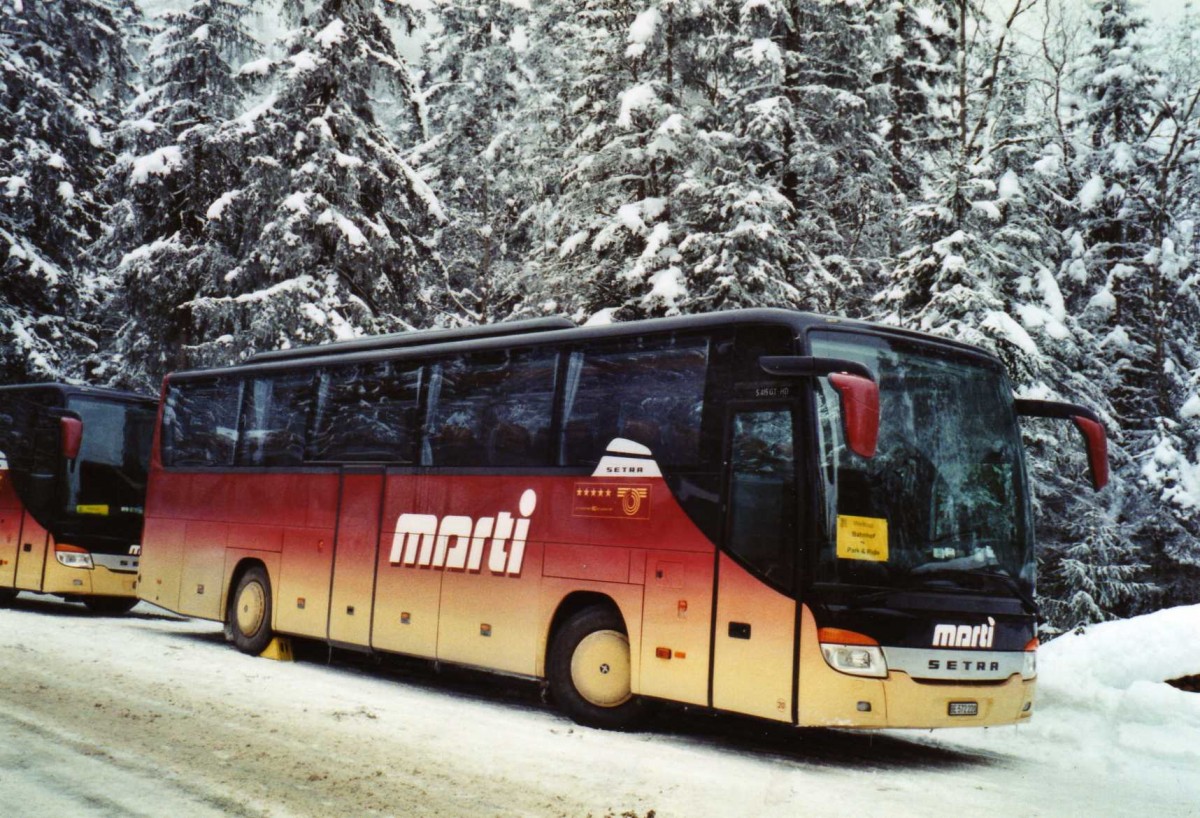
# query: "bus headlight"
[[72, 556], [852, 652], [858, 660], [1029, 668]]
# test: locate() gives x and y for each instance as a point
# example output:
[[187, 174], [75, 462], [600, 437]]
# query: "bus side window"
[[200, 423], [651, 394], [762, 528], [276, 417], [367, 413], [491, 409]]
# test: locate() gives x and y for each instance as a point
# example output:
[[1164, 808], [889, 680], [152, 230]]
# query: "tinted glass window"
[[367, 413], [762, 497], [945, 492], [200, 423], [110, 472], [277, 410], [652, 394], [24, 431], [491, 409]]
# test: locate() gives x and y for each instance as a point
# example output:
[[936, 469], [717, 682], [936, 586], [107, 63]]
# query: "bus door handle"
[[28, 547], [739, 630]]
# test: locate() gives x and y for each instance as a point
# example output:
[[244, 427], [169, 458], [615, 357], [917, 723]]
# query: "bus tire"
[[249, 615], [110, 605], [589, 671], [7, 596]]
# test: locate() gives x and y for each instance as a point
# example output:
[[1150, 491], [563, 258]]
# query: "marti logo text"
[[457, 543], [964, 636]]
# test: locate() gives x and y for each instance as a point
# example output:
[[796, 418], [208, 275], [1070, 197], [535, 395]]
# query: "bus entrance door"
[[32, 545], [407, 591], [754, 638], [355, 553], [10, 529]]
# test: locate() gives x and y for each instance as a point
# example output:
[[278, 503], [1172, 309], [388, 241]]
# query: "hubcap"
[[251, 609], [600, 668]]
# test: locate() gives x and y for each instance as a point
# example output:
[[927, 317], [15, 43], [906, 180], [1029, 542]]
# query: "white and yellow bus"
[[73, 467], [805, 519]]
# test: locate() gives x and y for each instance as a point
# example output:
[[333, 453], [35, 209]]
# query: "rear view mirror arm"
[[1086, 421], [797, 366], [856, 387]]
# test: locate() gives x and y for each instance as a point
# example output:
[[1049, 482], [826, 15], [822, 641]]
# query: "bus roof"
[[397, 340], [68, 390], [542, 331]]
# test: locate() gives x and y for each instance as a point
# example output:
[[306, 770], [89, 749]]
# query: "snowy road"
[[150, 714]]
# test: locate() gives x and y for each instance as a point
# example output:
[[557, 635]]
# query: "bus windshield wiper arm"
[[1015, 586], [1003, 576]]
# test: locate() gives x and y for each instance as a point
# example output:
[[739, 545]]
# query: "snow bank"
[[1116, 655], [1103, 696]]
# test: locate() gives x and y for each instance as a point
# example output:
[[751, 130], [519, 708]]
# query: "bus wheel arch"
[[249, 608], [588, 664]]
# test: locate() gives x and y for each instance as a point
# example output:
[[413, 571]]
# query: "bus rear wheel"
[[110, 605], [589, 671], [248, 619], [7, 596]]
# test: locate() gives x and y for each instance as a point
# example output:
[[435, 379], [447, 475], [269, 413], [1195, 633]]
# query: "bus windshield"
[[105, 487], [944, 504]]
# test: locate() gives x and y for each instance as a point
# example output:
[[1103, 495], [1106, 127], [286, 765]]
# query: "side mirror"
[[856, 387], [1086, 421], [860, 411], [72, 436]]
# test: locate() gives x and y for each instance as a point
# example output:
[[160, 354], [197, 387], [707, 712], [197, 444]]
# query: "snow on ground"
[[152, 714], [1103, 701]]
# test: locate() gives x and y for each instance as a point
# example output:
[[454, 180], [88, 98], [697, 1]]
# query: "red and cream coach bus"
[[811, 520], [73, 464]]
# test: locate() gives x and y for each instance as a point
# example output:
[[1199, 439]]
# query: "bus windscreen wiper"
[[926, 578]]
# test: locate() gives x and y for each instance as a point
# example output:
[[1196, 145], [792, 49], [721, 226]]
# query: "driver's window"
[[762, 529]]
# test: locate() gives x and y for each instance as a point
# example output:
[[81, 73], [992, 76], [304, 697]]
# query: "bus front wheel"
[[248, 619], [110, 605], [589, 671]]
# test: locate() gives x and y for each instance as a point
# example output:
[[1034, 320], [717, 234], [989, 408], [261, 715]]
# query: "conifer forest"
[[184, 183]]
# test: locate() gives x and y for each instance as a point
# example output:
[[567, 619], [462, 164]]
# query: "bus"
[[73, 468], [805, 519]]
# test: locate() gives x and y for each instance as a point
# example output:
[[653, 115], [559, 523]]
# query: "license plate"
[[964, 708]]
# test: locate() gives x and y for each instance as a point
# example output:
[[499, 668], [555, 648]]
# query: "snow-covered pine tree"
[[834, 57], [1116, 227], [739, 233], [918, 71], [1169, 466], [1133, 305], [63, 75], [946, 278], [821, 140], [698, 182], [987, 242], [326, 233], [486, 154], [174, 163], [607, 239]]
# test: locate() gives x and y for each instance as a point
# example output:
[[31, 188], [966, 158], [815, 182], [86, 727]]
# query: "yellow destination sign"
[[862, 538]]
